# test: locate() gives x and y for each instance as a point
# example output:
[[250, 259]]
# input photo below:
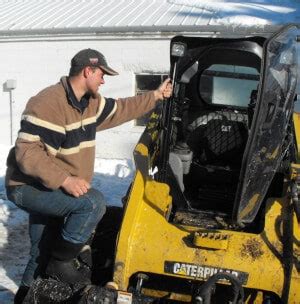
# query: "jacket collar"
[[72, 100]]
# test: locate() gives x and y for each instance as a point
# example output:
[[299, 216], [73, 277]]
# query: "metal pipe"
[[11, 116]]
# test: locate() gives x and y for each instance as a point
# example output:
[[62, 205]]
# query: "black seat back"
[[218, 140]]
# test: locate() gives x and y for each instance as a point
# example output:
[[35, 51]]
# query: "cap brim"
[[109, 71]]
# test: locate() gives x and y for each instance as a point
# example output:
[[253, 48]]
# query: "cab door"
[[268, 139]]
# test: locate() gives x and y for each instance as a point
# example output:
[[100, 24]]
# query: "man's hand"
[[164, 90], [75, 186]]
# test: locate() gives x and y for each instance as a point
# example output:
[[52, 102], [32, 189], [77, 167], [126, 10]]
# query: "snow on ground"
[[112, 177]]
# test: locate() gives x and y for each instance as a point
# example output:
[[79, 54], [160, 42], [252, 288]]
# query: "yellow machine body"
[[234, 209], [147, 240]]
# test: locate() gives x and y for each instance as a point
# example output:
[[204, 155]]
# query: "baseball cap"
[[93, 58]]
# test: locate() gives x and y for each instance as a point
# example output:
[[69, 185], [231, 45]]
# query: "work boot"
[[21, 294], [85, 261], [64, 266], [85, 256]]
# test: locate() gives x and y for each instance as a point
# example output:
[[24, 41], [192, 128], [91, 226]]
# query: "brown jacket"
[[57, 139]]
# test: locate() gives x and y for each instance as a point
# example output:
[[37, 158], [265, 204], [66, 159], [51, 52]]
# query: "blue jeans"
[[53, 212]]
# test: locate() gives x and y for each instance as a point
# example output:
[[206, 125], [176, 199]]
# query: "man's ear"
[[86, 71]]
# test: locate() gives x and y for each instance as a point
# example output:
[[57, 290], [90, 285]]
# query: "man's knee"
[[97, 201]]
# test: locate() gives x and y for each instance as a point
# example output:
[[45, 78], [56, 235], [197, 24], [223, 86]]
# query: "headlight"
[[178, 49]]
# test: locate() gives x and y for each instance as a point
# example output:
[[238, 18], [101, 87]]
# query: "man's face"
[[94, 79]]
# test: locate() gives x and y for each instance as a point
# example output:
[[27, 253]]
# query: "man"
[[51, 166]]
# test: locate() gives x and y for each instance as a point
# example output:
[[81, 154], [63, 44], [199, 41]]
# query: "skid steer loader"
[[213, 215], [213, 212]]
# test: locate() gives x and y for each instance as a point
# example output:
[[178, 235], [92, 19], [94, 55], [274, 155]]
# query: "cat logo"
[[225, 128], [201, 271]]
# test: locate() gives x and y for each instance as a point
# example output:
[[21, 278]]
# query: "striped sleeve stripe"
[[90, 120], [73, 150], [56, 128], [43, 123], [79, 124], [51, 150], [101, 107], [27, 136], [34, 138], [113, 111], [48, 136], [109, 109]]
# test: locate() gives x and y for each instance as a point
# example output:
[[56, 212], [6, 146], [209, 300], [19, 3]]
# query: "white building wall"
[[37, 64]]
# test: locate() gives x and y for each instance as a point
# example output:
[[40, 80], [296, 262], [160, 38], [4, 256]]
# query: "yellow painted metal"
[[142, 149], [212, 240], [295, 171], [157, 194], [147, 240], [294, 294], [130, 226], [296, 119]]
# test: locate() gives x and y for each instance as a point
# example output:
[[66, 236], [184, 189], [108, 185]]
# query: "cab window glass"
[[228, 84], [297, 105]]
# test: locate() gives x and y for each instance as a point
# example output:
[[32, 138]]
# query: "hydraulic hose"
[[295, 199], [204, 293]]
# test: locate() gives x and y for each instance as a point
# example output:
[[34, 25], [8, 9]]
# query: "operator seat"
[[218, 138]]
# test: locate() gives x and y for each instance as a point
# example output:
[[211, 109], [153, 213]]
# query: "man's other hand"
[[75, 186], [164, 90]]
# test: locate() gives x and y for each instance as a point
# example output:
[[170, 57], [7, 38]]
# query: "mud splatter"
[[252, 249]]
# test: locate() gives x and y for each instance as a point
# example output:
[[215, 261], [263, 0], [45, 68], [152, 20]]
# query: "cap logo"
[[93, 61]]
